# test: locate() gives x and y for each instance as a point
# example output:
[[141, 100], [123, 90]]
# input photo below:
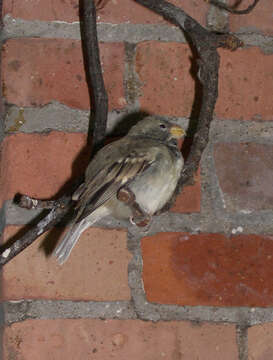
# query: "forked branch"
[[204, 42]]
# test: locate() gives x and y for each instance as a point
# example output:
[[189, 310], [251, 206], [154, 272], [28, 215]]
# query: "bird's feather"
[[74, 232], [109, 180]]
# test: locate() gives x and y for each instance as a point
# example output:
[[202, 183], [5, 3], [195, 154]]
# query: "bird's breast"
[[155, 186]]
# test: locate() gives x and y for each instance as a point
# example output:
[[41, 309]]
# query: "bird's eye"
[[162, 126]]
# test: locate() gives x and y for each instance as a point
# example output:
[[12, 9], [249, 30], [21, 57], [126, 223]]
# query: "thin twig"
[[47, 223], [232, 9], [27, 202]]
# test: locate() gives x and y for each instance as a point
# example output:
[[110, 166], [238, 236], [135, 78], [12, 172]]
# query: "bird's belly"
[[155, 186]]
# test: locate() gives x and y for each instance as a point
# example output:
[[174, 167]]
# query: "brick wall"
[[199, 284]]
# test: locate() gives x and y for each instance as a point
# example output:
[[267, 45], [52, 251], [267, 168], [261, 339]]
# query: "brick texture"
[[259, 20], [245, 173], [208, 269], [245, 95], [41, 165], [260, 345], [65, 10], [120, 340], [113, 11], [178, 268], [96, 269], [164, 73], [52, 69], [189, 201]]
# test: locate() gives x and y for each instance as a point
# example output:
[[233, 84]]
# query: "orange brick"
[[115, 11], [245, 174], [259, 19], [41, 165], [208, 269], [189, 200], [37, 71], [118, 340], [96, 269], [245, 85], [260, 345], [164, 71]]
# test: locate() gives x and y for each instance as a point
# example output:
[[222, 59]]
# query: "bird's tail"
[[70, 239]]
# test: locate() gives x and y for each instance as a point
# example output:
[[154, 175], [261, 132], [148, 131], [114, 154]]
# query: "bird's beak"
[[177, 132]]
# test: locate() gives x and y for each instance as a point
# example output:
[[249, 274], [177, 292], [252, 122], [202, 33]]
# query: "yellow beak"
[[177, 132]]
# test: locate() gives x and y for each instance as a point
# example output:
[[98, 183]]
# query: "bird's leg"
[[140, 217]]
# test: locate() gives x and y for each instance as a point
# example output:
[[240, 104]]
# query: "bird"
[[131, 178]]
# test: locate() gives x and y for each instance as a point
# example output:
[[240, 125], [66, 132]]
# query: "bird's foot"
[[140, 221], [126, 196], [140, 217]]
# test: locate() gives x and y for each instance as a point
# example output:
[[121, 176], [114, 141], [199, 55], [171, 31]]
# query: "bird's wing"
[[101, 187]]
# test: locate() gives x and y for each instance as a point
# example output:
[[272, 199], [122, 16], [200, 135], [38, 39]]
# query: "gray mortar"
[[56, 116], [3, 212], [132, 33], [59, 117], [20, 310], [132, 83], [241, 337], [217, 19], [47, 309], [265, 43]]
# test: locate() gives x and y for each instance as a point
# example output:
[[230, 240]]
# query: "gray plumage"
[[147, 161]]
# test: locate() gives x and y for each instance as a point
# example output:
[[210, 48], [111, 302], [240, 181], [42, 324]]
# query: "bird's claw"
[[140, 221], [139, 218]]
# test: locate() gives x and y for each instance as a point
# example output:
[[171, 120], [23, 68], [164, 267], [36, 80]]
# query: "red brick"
[[164, 71], [259, 19], [260, 345], [115, 11], [3, 176], [65, 10], [245, 85], [96, 269], [189, 200], [120, 340], [40, 165], [37, 71], [245, 173], [208, 269]]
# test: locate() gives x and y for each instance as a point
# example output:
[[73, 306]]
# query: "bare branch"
[[232, 9], [27, 202], [47, 223], [98, 95], [204, 42]]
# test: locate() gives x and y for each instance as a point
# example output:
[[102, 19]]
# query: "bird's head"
[[156, 128]]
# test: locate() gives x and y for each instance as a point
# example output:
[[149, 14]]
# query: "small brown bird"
[[131, 178]]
